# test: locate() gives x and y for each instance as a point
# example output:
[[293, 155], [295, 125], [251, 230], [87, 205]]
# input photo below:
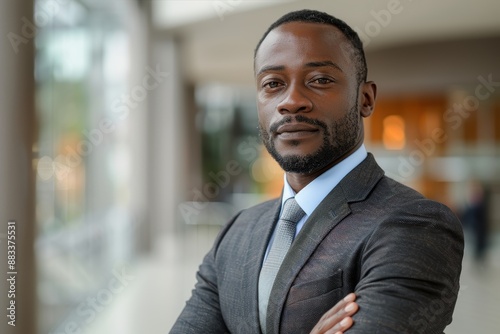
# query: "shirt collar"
[[312, 194]]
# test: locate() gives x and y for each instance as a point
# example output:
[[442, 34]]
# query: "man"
[[356, 230]]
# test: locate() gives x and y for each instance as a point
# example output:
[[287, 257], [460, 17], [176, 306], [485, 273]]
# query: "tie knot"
[[292, 211]]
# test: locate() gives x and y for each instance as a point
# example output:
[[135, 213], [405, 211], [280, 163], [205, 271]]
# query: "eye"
[[272, 84], [322, 81]]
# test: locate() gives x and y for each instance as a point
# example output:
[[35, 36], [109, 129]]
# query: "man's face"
[[308, 97]]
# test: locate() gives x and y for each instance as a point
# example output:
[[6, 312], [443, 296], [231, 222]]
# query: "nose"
[[294, 101]]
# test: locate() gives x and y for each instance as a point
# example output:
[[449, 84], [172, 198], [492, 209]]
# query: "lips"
[[295, 130]]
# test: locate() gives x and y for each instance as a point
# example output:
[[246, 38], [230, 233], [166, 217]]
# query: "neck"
[[298, 181]]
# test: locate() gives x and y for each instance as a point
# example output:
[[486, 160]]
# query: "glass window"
[[84, 227]]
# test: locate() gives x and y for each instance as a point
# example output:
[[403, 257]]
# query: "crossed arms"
[[408, 283]]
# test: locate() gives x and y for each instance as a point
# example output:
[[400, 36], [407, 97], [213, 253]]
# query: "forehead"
[[302, 42]]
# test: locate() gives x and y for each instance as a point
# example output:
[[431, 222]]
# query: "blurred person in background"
[[369, 255], [474, 217]]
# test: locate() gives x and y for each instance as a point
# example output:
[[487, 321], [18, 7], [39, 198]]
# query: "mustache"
[[299, 119]]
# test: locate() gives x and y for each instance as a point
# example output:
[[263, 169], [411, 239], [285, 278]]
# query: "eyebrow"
[[323, 64], [314, 64], [271, 68]]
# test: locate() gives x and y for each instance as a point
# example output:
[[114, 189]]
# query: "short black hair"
[[314, 16]]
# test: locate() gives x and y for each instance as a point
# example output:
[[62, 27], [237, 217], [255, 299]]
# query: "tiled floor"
[[162, 283]]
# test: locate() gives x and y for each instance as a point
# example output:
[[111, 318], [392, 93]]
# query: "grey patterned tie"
[[285, 232]]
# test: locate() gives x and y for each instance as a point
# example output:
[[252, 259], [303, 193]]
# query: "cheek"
[[336, 106], [265, 113], [263, 118]]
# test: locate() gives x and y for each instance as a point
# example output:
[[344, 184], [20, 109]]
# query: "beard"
[[339, 137]]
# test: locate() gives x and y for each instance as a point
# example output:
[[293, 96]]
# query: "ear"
[[368, 96]]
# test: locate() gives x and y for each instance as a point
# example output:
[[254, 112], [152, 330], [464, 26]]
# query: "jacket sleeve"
[[202, 313], [410, 269]]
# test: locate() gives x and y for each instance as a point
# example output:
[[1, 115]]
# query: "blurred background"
[[128, 137]]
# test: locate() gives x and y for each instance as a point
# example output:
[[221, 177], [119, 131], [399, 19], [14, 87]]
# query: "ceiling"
[[217, 42]]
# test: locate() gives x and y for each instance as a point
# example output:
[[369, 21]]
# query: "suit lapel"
[[318, 225], [332, 210]]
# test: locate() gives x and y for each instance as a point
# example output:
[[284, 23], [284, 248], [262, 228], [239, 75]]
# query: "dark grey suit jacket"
[[399, 252]]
